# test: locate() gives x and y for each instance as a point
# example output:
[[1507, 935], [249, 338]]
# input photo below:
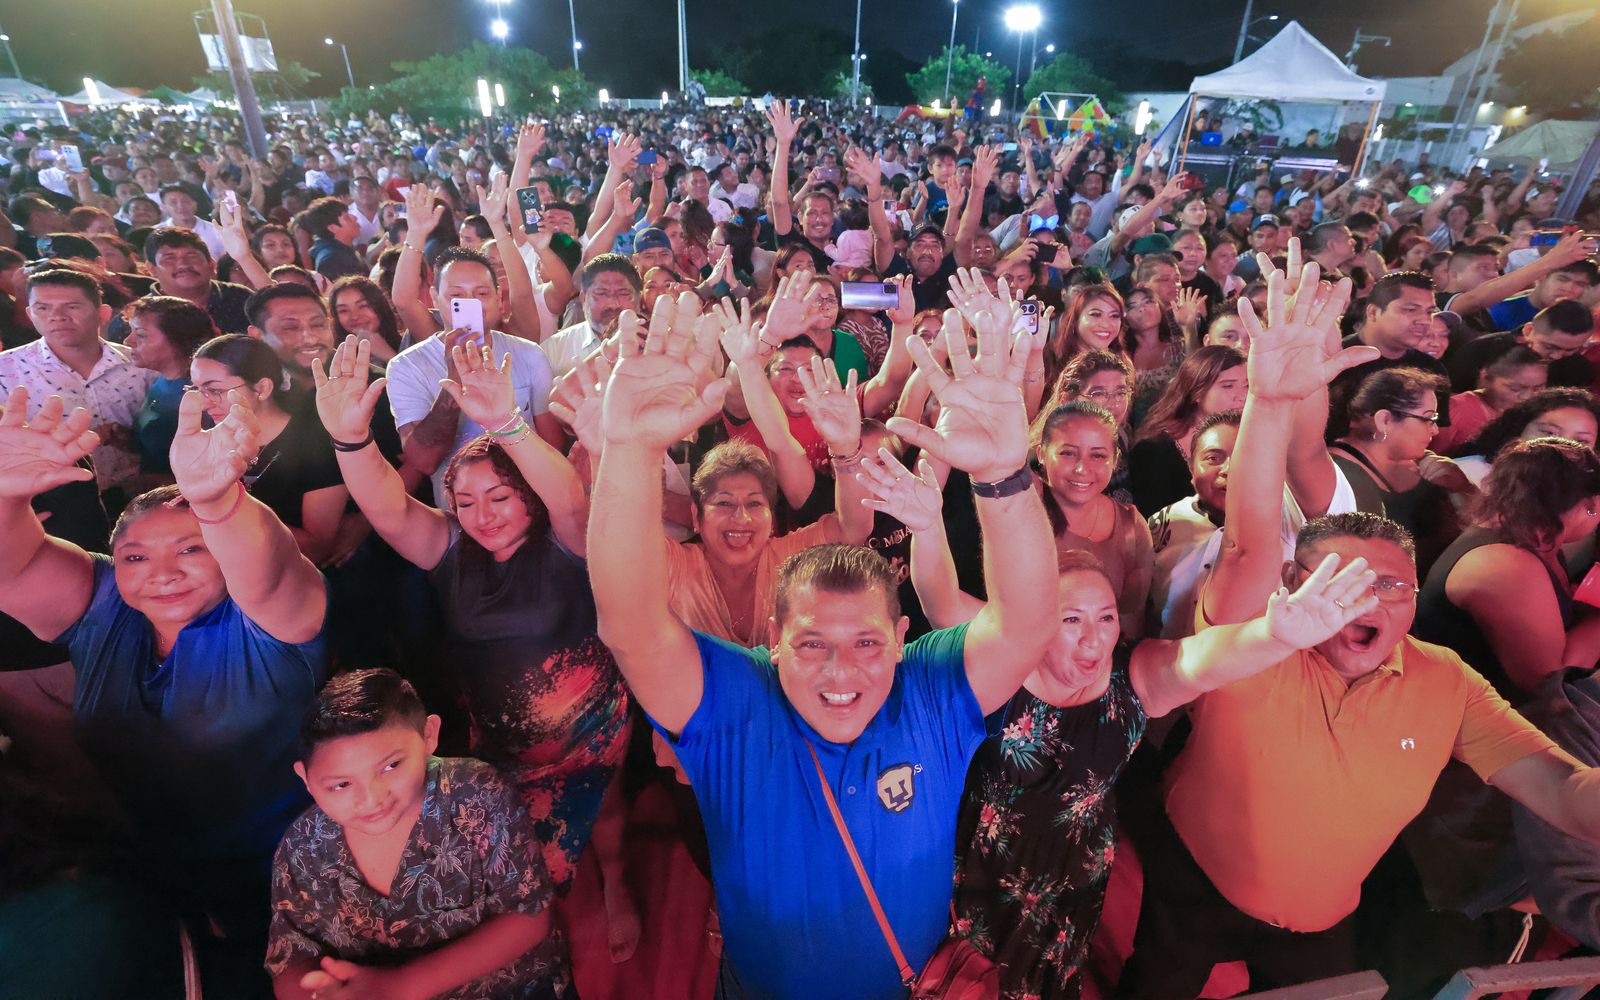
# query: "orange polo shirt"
[[1294, 784], [698, 603]]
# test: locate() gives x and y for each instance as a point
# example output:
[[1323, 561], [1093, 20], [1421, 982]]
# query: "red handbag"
[[957, 971]]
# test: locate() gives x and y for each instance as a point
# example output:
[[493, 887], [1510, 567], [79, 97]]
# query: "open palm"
[[483, 390], [1325, 603], [206, 463], [344, 399], [1296, 353], [913, 499], [43, 453], [835, 411], [653, 399]]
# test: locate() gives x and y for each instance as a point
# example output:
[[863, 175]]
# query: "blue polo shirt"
[[1513, 313], [795, 921]]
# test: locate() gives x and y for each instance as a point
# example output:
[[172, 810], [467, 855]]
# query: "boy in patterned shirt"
[[413, 875]]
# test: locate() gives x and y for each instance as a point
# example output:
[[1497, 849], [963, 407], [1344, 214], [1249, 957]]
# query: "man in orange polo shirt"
[[1296, 781]]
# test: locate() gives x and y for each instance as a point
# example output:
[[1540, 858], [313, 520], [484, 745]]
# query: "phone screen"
[[1046, 253], [73, 158], [468, 313], [647, 157], [528, 205], [868, 295]]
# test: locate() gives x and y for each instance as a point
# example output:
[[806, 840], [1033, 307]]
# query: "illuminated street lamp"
[[485, 105], [500, 29], [346, 51], [1024, 19]]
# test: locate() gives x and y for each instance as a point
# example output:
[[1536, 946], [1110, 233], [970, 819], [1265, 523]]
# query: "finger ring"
[[1339, 605]]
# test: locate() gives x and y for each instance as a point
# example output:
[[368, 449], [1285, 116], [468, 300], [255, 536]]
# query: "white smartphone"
[[230, 198], [73, 159], [468, 313]]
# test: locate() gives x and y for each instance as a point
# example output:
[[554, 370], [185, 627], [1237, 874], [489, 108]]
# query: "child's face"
[[372, 782]]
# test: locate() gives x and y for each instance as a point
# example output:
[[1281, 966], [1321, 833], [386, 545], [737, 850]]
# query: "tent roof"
[[108, 95], [167, 95], [1562, 143], [13, 88], [204, 95], [1293, 66]]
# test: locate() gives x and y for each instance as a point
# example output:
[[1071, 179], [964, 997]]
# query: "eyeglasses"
[[217, 393], [1387, 589], [1432, 418], [1098, 395]]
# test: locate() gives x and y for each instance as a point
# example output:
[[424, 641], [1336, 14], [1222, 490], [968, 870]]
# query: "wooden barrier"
[[1577, 975], [1356, 986]]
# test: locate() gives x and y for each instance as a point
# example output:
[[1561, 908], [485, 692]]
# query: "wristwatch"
[[1010, 486]]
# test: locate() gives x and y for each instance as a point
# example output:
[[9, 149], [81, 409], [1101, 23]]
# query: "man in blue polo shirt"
[[893, 726]]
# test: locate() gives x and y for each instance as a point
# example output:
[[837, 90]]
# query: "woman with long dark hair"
[[1210, 380], [1092, 321], [361, 309]]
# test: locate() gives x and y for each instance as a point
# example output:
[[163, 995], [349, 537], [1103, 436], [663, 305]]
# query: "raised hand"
[[230, 220], [622, 151], [786, 317], [652, 399], [835, 410], [1325, 603], [207, 463], [530, 140], [914, 500], [484, 392], [344, 399], [969, 293], [983, 423], [1189, 308], [868, 168], [423, 213], [740, 339], [40, 454], [1297, 352], [783, 126], [578, 399], [492, 203], [985, 164], [905, 305]]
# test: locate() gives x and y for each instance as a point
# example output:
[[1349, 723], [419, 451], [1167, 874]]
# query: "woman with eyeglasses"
[[1386, 457], [1104, 379], [294, 473], [1500, 594]]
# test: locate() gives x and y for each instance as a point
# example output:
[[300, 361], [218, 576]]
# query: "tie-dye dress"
[[544, 698]]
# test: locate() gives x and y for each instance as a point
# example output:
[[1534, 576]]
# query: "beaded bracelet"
[[512, 425]]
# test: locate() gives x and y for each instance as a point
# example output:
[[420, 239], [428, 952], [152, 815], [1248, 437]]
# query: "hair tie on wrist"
[[349, 446]]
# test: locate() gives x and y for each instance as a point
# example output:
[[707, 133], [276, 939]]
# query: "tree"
[[719, 83], [1540, 71], [289, 83], [927, 83], [1071, 74], [446, 86]]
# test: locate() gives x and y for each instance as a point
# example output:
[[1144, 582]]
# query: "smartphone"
[[1046, 253], [73, 159], [1009, 147], [230, 198], [868, 295], [528, 205], [891, 206], [829, 174], [1030, 313], [647, 157], [468, 313]]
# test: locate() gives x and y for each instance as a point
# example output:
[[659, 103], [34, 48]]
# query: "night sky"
[[628, 44]]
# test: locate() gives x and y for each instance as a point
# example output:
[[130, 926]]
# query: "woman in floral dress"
[[1035, 837]]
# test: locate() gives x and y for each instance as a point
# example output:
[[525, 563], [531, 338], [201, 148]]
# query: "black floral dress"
[[1036, 839]]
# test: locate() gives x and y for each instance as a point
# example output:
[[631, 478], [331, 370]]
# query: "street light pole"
[[950, 51], [572, 19], [342, 48], [1244, 28], [5, 40], [683, 49], [244, 89], [855, 61]]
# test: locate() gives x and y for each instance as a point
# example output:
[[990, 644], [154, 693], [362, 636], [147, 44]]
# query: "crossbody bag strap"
[[907, 976]]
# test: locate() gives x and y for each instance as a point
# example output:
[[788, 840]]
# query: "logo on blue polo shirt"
[[895, 789]]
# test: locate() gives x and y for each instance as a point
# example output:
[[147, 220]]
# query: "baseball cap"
[[69, 245], [965, 161], [1238, 205], [927, 229], [1421, 194], [1452, 320], [1154, 243], [1126, 215], [651, 239], [1264, 220]]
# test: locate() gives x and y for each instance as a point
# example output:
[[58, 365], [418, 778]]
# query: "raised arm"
[[836, 414], [1572, 248], [1147, 214], [622, 152], [419, 533], [870, 170], [983, 430], [1168, 674], [486, 395], [916, 501], [230, 220], [883, 388], [422, 216], [530, 140], [783, 129], [984, 167], [45, 583], [524, 314], [651, 402], [1289, 360], [624, 209], [276, 586], [742, 342]]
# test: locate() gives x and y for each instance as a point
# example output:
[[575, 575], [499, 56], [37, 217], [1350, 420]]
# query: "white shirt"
[[415, 372], [207, 231], [742, 195], [568, 346], [113, 394], [893, 169], [720, 210], [371, 228]]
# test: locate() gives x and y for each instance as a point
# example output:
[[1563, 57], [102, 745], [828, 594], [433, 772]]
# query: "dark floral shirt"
[[473, 855]]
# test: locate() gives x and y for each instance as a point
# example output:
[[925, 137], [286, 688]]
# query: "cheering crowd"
[[431, 552]]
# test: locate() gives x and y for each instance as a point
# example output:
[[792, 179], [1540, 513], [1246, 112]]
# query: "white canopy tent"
[[1292, 67], [107, 95], [15, 90]]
